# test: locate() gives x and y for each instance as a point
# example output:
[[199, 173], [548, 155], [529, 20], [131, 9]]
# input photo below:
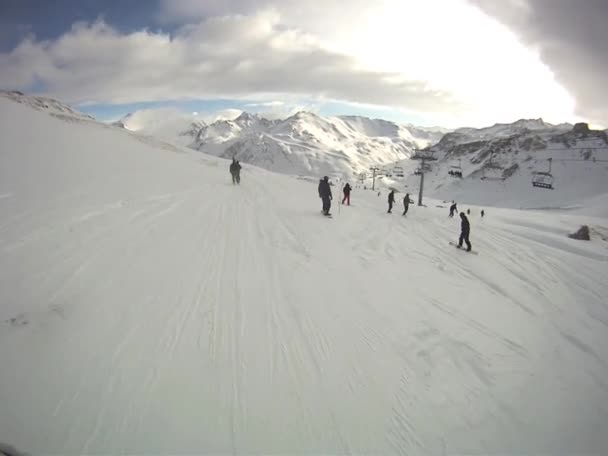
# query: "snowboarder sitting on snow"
[[325, 194], [391, 201], [465, 229], [453, 209], [235, 171], [346, 190], [406, 203]]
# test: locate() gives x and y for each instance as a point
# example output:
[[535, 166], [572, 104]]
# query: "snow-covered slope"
[[48, 105], [148, 306], [498, 165]]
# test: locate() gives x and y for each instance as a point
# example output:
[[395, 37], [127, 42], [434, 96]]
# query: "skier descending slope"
[[235, 171], [406, 203], [346, 190], [465, 229], [453, 209], [325, 195], [391, 201]]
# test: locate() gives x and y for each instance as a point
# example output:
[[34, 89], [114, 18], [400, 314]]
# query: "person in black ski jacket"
[[391, 201], [465, 230], [346, 190], [406, 203], [235, 171], [325, 195], [453, 209]]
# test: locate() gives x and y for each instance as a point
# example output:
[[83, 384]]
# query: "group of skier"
[[326, 197]]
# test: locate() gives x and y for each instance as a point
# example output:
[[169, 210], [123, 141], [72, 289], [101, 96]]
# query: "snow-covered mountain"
[[304, 143], [308, 144], [499, 163], [149, 306]]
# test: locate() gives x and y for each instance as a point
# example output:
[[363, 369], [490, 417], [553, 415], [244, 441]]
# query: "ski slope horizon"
[[309, 145], [149, 306]]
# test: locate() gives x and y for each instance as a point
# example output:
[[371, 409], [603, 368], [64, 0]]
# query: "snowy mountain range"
[[304, 144], [492, 165], [498, 165]]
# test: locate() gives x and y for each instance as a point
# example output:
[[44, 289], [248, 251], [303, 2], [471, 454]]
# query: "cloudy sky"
[[430, 62]]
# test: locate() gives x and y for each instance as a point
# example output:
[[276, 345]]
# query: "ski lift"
[[456, 170], [398, 171], [487, 175], [418, 172], [543, 179]]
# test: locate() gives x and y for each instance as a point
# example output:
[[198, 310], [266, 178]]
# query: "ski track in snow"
[[192, 316]]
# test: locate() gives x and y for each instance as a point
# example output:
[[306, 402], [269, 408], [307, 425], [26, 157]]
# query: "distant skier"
[[482, 213], [391, 201], [238, 172], [453, 209], [320, 185], [235, 171], [468, 211], [325, 195], [465, 229], [406, 203], [346, 191]]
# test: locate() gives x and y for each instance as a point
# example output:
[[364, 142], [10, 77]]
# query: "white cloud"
[[234, 56], [571, 38], [443, 60], [266, 104]]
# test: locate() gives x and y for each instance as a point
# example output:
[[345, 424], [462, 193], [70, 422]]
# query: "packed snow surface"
[[148, 306]]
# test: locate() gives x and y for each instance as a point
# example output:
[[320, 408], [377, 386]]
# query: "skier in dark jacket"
[[346, 190], [482, 213], [391, 201], [235, 171], [325, 195], [453, 209], [465, 229], [406, 203]]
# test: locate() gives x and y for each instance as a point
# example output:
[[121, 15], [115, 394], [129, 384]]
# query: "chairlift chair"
[[543, 179], [456, 170]]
